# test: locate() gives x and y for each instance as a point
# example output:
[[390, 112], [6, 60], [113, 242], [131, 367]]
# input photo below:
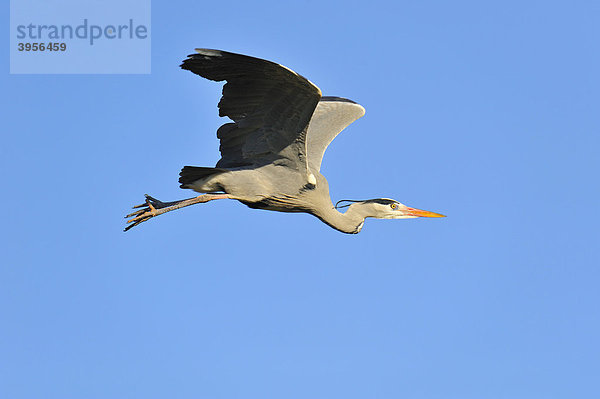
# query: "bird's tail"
[[191, 174]]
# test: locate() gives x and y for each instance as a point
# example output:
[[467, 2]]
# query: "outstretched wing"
[[332, 115], [270, 105]]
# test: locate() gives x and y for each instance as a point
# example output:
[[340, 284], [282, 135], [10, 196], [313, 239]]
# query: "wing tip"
[[338, 99], [209, 52], [343, 100]]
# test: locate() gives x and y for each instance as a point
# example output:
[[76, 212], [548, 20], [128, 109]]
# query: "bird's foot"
[[147, 211]]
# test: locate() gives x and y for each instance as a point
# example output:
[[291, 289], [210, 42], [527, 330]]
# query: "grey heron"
[[271, 154]]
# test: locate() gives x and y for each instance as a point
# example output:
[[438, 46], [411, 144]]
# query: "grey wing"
[[270, 105], [332, 115]]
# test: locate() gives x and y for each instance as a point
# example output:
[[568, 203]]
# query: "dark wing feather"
[[270, 105]]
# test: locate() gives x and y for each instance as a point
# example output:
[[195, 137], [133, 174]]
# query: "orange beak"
[[422, 213]]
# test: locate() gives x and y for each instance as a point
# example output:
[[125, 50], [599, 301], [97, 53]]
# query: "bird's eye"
[[393, 206]]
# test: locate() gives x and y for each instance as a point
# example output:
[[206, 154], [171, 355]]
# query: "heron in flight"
[[271, 154]]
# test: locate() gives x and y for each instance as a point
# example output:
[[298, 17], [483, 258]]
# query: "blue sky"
[[486, 112]]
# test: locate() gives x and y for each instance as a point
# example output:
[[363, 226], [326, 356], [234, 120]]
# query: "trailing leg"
[[153, 207]]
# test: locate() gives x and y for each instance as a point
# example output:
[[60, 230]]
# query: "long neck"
[[350, 222]]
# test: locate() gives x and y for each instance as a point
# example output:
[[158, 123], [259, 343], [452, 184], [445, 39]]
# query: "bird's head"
[[385, 208]]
